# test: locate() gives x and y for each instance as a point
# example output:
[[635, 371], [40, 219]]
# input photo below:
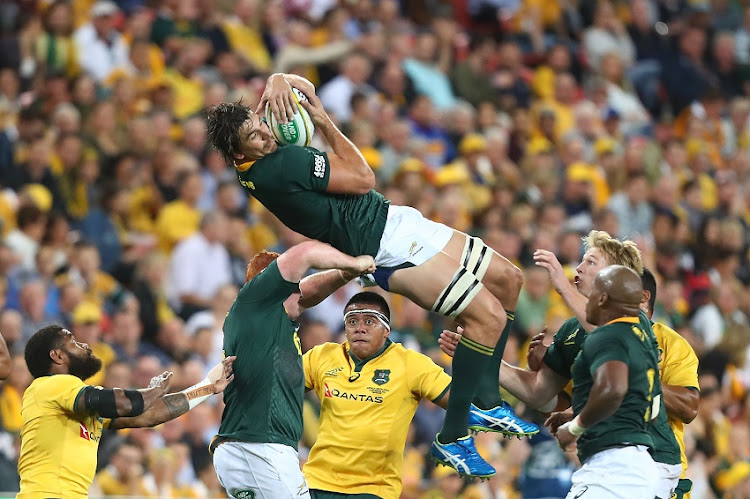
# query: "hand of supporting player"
[[222, 374], [537, 350], [557, 419], [449, 340], [566, 440]]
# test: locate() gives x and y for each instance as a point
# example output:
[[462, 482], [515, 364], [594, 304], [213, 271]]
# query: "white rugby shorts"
[[409, 237], [618, 473], [260, 471]]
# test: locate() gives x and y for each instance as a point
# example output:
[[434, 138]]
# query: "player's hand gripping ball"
[[297, 132]]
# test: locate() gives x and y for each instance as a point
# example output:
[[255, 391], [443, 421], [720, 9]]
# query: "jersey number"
[[653, 411]]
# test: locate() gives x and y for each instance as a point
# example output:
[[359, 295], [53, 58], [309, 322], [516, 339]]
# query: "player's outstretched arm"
[[533, 388], [296, 261], [573, 299], [117, 402], [175, 405], [319, 286], [350, 173], [4, 360]]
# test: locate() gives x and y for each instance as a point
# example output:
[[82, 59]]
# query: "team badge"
[[381, 376], [244, 494]]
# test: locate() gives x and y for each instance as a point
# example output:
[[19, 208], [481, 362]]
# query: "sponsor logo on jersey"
[[341, 394], [583, 491], [248, 184], [244, 494], [571, 339], [333, 372], [377, 391], [381, 376], [319, 169], [85, 432]]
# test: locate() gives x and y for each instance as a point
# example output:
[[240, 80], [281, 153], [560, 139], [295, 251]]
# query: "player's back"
[[264, 402], [625, 341], [291, 183], [58, 447]]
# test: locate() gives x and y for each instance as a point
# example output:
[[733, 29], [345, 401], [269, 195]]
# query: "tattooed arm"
[[174, 405]]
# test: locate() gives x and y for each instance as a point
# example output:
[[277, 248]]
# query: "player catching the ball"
[[329, 197]]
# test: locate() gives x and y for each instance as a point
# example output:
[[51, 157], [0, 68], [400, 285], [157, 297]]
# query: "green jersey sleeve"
[[605, 345], [304, 167], [267, 287], [565, 347]]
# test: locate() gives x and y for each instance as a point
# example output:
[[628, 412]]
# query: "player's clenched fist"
[[365, 264]]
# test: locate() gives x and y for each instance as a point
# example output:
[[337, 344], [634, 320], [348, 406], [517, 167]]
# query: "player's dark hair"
[[370, 298], [223, 127], [649, 284], [38, 347]]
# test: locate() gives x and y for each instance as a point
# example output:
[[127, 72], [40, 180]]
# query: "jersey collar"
[[629, 320], [243, 167], [359, 364]]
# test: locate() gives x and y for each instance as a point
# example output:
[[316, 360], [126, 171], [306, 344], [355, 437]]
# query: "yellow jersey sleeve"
[[62, 390], [426, 379], [309, 363], [679, 364]]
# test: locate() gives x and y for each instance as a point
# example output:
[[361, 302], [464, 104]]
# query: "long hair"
[[223, 127]]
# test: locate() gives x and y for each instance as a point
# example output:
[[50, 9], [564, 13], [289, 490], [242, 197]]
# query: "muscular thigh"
[[426, 284], [499, 275]]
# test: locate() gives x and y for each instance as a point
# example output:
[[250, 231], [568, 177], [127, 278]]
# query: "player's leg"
[[504, 281], [616, 473], [441, 284], [260, 471]]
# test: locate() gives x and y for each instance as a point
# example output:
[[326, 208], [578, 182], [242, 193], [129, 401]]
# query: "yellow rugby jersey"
[[58, 447], [365, 411], [678, 367]]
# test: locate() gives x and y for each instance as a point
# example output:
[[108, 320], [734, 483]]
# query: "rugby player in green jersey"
[[255, 452], [329, 197], [616, 394]]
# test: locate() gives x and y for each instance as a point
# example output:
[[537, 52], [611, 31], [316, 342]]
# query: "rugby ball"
[[297, 132]]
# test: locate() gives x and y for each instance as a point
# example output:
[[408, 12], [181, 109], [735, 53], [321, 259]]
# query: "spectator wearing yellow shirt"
[[561, 104], [558, 62], [11, 395], [87, 319], [123, 476], [186, 85], [180, 218], [99, 287], [242, 32]]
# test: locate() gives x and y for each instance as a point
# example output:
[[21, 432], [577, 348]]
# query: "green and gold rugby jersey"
[[291, 183]]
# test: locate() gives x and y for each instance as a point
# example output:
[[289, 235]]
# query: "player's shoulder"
[[49, 386], [568, 331], [669, 338]]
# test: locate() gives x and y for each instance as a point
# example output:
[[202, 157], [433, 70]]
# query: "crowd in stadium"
[[526, 122]]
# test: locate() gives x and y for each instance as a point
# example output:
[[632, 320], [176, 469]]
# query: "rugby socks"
[[488, 389], [469, 362]]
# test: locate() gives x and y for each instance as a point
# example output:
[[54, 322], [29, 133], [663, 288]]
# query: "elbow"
[[690, 411], [690, 414], [367, 180]]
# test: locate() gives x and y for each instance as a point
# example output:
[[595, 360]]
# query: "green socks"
[[469, 362], [488, 387]]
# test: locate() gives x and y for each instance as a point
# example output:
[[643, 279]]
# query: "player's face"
[[593, 262], [593, 311], [82, 362], [364, 332], [256, 139]]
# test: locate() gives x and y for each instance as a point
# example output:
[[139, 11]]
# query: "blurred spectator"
[[87, 318], [105, 49], [124, 474], [428, 68], [336, 95], [199, 266]]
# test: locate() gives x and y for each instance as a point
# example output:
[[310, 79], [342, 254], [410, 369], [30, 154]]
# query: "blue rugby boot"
[[501, 419], [462, 456]]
